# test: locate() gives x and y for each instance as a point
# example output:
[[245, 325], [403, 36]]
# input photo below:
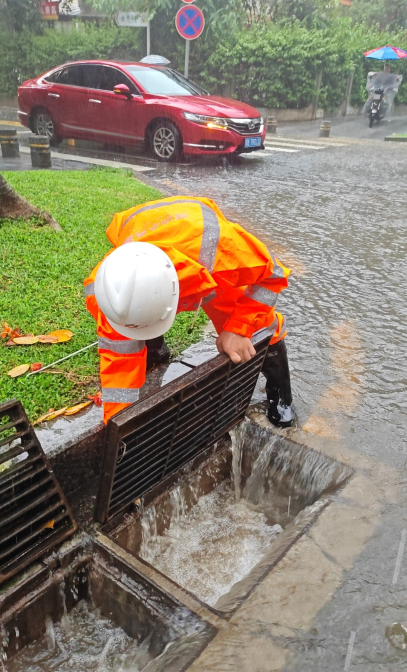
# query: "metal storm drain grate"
[[34, 515], [153, 438]]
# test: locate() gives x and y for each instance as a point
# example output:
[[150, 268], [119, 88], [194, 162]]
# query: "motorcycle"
[[378, 107], [382, 88]]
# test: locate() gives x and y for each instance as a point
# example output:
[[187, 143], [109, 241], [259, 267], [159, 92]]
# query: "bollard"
[[9, 144], [271, 124], [40, 151], [325, 129]]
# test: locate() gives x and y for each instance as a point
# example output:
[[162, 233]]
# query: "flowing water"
[[84, 640], [213, 539], [212, 546]]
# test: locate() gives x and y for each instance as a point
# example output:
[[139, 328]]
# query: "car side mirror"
[[122, 90]]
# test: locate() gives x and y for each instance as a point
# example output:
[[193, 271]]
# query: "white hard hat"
[[137, 289]]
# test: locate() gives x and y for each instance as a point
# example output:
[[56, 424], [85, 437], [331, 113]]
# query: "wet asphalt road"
[[337, 217]]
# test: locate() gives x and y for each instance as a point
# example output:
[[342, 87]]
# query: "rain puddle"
[[213, 530]]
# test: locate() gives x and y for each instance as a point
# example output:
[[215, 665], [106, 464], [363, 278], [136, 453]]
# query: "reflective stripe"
[[273, 326], [120, 395], [277, 270], [211, 232], [154, 206], [120, 347], [89, 289], [262, 295], [210, 238], [209, 297]]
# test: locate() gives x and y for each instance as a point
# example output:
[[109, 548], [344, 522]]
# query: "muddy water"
[[337, 217]]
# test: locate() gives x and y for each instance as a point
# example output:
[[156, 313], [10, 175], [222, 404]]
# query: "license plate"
[[252, 142]]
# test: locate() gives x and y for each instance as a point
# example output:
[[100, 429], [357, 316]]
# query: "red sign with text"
[[50, 10]]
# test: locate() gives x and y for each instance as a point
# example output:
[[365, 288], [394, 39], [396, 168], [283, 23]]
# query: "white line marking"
[[88, 159], [294, 144], [399, 557], [280, 149], [350, 650]]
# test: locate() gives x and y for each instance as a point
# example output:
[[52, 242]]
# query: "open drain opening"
[[226, 523], [97, 613]]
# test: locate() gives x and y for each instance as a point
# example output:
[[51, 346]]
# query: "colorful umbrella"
[[386, 53]]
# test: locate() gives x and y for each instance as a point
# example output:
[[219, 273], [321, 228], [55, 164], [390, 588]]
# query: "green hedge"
[[277, 66], [27, 55]]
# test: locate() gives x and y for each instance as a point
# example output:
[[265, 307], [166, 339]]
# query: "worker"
[[178, 254]]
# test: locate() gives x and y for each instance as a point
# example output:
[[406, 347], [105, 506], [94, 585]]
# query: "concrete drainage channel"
[[195, 506]]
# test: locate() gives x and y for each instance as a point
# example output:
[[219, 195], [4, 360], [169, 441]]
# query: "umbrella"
[[153, 59], [386, 53]]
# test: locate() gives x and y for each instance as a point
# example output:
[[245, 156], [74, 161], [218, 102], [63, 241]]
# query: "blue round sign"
[[190, 22]]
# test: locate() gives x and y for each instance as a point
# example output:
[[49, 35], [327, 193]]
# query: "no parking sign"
[[190, 22]]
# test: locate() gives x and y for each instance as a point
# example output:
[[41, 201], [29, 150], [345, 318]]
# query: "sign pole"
[[148, 39], [186, 68]]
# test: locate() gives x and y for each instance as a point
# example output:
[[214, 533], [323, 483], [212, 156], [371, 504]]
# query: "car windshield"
[[164, 81]]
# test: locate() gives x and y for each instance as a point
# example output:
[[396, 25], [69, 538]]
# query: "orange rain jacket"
[[217, 262]]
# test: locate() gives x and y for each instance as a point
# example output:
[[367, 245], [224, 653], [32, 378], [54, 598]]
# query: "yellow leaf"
[[47, 338], [18, 370], [26, 340], [62, 335], [50, 415], [50, 524], [77, 408]]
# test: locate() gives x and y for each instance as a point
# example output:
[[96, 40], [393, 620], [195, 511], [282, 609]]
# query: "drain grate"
[[153, 438], [34, 515]]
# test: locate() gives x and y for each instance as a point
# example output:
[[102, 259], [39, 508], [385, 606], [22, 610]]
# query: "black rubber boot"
[[157, 352], [278, 387]]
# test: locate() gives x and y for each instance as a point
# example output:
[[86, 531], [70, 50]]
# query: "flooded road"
[[336, 216]]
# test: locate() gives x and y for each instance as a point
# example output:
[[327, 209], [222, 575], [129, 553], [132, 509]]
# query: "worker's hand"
[[239, 348]]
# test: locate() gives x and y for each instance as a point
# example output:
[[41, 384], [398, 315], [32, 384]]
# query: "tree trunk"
[[13, 206]]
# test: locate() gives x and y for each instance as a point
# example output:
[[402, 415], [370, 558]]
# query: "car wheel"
[[166, 141], [43, 124]]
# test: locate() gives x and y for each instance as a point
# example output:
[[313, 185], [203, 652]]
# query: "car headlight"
[[209, 122]]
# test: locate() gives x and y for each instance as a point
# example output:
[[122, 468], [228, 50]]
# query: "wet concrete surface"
[[336, 217], [351, 127]]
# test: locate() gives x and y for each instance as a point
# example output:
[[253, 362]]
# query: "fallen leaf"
[[50, 525], [47, 338], [50, 415], [18, 370], [36, 366], [62, 335], [96, 398], [75, 409], [26, 340], [8, 332]]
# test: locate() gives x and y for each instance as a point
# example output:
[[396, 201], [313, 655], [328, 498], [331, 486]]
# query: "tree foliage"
[[384, 14], [268, 63]]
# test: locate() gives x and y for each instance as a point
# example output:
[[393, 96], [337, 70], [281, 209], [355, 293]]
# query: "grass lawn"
[[41, 276]]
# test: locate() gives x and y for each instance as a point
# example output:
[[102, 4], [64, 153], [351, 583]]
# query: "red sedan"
[[137, 103]]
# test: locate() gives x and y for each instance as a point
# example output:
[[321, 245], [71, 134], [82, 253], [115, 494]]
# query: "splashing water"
[[213, 545], [238, 436], [149, 534], [93, 644]]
